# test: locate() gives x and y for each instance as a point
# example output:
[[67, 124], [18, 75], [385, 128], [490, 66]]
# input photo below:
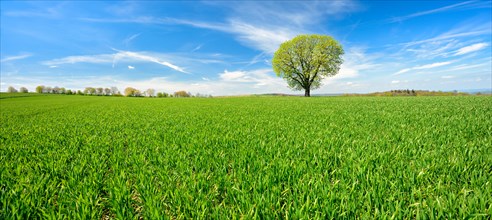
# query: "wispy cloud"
[[131, 67], [427, 66], [355, 60], [197, 48], [450, 35], [474, 27], [471, 48], [428, 12], [44, 12], [102, 58], [432, 65], [288, 13], [433, 49], [113, 58], [18, 57], [264, 39], [259, 25], [130, 39], [259, 77], [144, 57]]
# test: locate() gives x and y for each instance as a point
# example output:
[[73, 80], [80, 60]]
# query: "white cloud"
[[432, 65], [259, 77], [403, 71], [433, 49], [356, 60], [232, 76], [103, 58], [197, 48], [433, 11], [470, 28], [53, 66], [395, 82], [18, 57], [266, 39], [143, 57], [130, 39], [471, 48], [427, 66], [259, 25], [131, 67], [114, 58], [469, 67], [447, 77]]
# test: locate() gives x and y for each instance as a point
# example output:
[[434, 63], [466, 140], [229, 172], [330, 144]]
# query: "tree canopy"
[[306, 59]]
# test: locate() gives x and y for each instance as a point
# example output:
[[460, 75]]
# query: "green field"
[[80, 157]]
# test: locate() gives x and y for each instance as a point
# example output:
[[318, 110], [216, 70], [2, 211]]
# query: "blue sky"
[[225, 48]]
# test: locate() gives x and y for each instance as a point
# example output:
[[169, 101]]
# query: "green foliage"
[[62, 157], [39, 89], [306, 59], [11, 89], [23, 90], [162, 95], [132, 92], [182, 94]]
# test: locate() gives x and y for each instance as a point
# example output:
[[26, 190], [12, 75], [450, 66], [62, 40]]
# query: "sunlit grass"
[[80, 157]]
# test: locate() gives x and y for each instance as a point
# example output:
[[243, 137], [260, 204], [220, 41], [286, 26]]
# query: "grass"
[[246, 157]]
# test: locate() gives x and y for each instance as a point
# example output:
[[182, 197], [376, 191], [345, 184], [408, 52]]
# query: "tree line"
[[408, 92], [112, 91]]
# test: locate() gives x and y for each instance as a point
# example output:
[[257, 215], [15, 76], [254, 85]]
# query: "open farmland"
[[255, 157]]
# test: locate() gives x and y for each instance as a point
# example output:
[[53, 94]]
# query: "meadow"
[[88, 157]]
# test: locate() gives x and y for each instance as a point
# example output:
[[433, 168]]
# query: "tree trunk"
[[307, 92]]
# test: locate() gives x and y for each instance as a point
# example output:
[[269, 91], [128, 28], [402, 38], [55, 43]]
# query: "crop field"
[[87, 157]]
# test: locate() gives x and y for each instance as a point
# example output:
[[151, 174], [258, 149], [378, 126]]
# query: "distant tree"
[[107, 91], [56, 90], [11, 89], [150, 92], [89, 91], [48, 89], [181, 94], [203, 95], [23, 90], [39, 89], [162, 95], [114, 90], [99, 91], [306, 59], [62, 90], [132, 92], [79, 92]]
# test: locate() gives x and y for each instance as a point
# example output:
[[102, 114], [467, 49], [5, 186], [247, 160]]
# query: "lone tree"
[[306, 59]]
